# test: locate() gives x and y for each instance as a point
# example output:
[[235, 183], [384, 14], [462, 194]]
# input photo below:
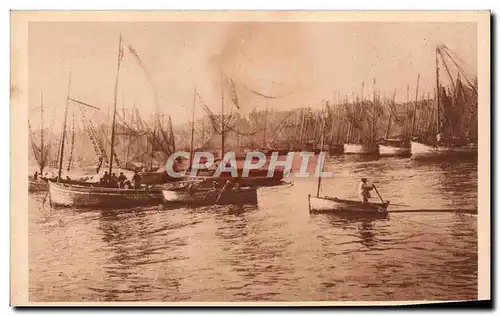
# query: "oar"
[[381, 199], [222, 191]]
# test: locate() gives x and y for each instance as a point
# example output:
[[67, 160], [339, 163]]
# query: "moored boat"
[[425, 151], [394, 148], [347, 207], [205, 196], [336, 148], [361, 149], [63, 194], [257, 177], [37, 186]]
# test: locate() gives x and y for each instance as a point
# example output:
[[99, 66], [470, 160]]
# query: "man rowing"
[[364, 190]]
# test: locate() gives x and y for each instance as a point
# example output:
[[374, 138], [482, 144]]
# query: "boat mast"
[[192, 131], [438, 101], [223, 121], [415, 108], [120, 55], [390, 116], [63, 139], [372, 134], [42, 149], [321, 152], [265, 125]]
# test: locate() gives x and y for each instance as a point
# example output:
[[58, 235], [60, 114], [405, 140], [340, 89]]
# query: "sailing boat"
[[333, 205], [97, 195], [394, 147], [256, 177], [41, 153], [456, 126], [369, 148]]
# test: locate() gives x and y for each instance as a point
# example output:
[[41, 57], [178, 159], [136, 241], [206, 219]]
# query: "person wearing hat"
[[364, 190], [121, 180]]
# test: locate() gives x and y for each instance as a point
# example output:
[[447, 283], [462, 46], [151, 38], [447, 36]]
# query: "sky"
[[299, 63]]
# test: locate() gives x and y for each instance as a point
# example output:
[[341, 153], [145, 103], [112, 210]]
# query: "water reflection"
[[273, 251]]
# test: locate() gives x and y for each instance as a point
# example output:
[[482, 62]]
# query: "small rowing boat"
[[206, 196], [333, 205], [347, 207]]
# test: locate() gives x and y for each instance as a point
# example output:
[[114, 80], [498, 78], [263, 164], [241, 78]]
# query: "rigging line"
[[466, 76]]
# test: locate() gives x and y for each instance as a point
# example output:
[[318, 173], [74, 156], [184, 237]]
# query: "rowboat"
[[205, 196], [424, 151], [64, 194], [37, 186], [334, 205], [361, 149]]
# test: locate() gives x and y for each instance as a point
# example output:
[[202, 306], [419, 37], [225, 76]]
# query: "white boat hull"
[[388, 150], [89, 196], [424, 151], [361, 149]]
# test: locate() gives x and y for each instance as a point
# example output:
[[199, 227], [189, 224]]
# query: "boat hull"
[[346, 207], [206, 197], [37, 186], [422, 151], [336, 149], [255, 178], [389, 150], [90, 196], [361, 149], [154, 177]]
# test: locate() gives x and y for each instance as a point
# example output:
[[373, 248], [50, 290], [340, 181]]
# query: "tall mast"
[[63, 139], [321, 151], [265, 125], [223, 120], [390, 116], [372, 134], [120, 55], [192, 131], [153, 146], [415, 107], [42, 148], [438, 98]]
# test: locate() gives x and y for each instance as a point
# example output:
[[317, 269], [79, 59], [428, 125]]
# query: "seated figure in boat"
[[364, 190], [121, 180], [137, 180], [236, 187]]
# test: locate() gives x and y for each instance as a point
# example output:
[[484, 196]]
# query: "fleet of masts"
[[450, 113]]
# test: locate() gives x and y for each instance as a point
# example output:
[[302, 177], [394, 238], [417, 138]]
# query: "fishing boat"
[[326, 204], [79, 195], [456, 116], [37, 186], [99, 195], [361, 149], [394, 147], [421, 151], [206, 196], [336, 148], [334, 205]]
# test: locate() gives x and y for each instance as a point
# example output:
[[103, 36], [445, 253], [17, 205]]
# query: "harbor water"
[[275, 251]]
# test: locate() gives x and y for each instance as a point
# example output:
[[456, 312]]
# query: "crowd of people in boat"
[[121, 181]]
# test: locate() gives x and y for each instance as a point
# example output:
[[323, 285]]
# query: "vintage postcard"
[[250, 158]]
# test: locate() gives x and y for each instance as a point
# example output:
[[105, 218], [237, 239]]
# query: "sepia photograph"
[[242, 158]]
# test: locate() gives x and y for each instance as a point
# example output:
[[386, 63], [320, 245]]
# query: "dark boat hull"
[[90, 196], [199, 197]]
